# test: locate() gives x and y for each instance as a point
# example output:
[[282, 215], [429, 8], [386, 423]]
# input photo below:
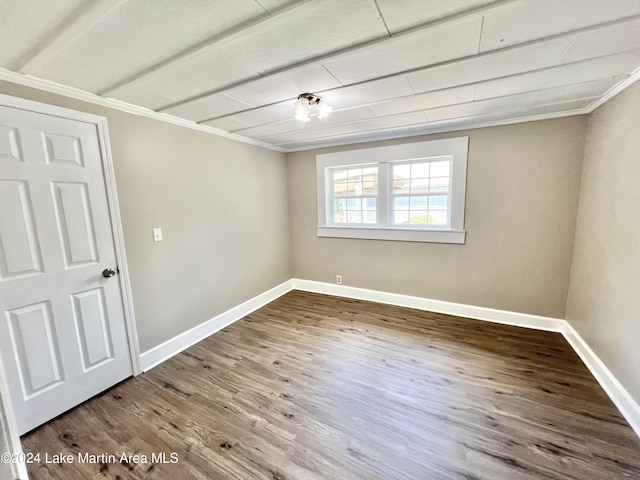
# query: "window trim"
[[452, 147]]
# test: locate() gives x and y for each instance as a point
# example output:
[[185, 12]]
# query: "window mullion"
[[382, 204], [330, 206]]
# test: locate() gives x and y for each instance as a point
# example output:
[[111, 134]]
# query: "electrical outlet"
[[157, 234], [339, 279]]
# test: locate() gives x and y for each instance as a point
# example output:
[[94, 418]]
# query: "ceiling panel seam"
[[564, 52], [413, 90], [480, 34], [266, 10], [332, 75], [239, 101], [417, 69], [384, 20]]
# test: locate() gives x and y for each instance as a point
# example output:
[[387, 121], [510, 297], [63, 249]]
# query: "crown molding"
[[77, 94], [615, 90]]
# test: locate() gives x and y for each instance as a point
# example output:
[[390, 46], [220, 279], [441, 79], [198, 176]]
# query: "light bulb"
[[323, 109], [301, 107], [303, 117]]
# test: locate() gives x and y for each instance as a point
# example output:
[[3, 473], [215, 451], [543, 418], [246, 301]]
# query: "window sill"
[[394, 234]]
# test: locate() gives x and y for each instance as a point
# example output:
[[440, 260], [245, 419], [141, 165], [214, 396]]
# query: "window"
[[355, 195], [410, 192]]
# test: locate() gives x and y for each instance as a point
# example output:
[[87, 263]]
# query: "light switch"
[[157, 234]]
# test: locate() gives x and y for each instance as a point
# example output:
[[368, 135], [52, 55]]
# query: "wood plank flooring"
[[317, 387]]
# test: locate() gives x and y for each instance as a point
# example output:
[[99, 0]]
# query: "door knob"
[[108, 273]]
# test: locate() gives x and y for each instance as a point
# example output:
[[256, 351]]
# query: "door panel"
[[62, 330], [92, 323], [9, 144], [75, 223], [19, 246], [63, 149], [34, 339]]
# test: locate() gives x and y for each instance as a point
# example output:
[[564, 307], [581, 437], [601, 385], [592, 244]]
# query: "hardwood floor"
[[317, 387]]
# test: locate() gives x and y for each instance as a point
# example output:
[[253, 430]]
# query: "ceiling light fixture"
[[303, 104]]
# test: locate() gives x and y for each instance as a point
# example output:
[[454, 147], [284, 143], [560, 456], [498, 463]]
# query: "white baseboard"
[[618, 394], [438, 306], [177, 344], [628, 407]]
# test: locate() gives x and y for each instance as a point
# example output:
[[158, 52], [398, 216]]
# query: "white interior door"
[[63, 335]]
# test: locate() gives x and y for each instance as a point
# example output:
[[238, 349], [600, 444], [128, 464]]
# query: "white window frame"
[[456, 148]]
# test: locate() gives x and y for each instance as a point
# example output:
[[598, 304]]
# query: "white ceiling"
[[388, 67]]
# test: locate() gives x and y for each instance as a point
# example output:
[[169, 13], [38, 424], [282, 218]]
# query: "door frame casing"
[[6, 412], [9, 438]]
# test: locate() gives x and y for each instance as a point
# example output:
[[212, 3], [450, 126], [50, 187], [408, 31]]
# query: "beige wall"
[[522, 195], [221, 205], [604, 296]]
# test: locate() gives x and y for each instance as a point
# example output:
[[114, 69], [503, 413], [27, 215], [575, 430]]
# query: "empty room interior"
[[319, 239]]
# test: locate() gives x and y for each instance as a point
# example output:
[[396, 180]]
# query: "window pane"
[[402, 171], [418, 217], [355, 174], [370, 188], [339, 189], [420, 185], [438, 202], [352, 189], [400, 217], [369, 204], [401, 178], [354, 203], [370, 171], [401, 203], [440, 169], [437, 218], [419, 203], [338, 210], [354, 217], [401, 186], [369, 216], [420, 170], [339, 175], [439, 184]]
